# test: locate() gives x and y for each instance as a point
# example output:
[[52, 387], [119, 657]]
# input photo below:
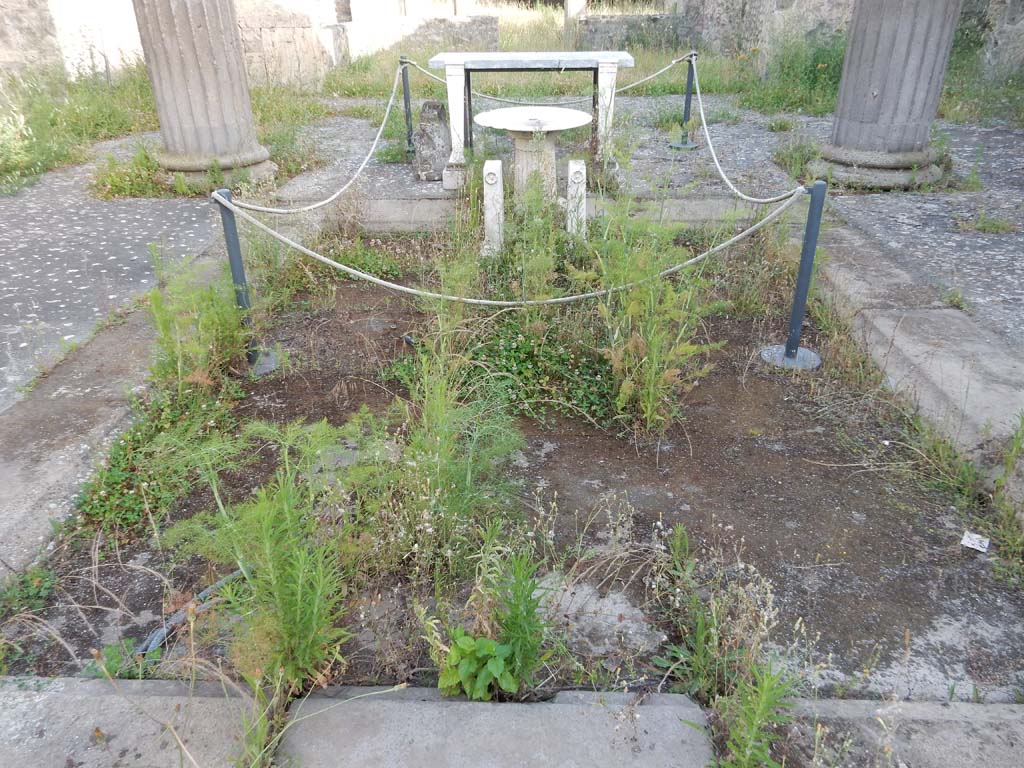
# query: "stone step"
[[917, 734], [141, 723], [418, 727]]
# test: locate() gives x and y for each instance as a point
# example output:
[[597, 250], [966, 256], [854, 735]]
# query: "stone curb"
[[418, 727], [963, 378], [909, 733], [91, 724]]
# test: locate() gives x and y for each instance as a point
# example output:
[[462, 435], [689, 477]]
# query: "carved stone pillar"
[[193, 53], [896, 57]]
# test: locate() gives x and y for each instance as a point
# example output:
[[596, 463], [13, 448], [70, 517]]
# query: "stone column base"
[[254, 166], [877, 170]]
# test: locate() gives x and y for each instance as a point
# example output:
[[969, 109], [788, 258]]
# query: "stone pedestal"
[[895, 64], [534, 155], [193, 53], [576, 198], [494, 208]]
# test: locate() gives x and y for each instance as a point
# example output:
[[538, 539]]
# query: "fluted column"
[[896, 57], [193, 53]]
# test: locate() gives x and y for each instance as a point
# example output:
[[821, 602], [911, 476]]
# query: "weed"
[[152, 463], [27, 592], [136, 178], [800, 77], [292, 604], [200, 332], [363, 257], [521, 625], [794, 156], [427, 477], [723, 116], [972, 92], [53, 119], [539, 369], [780, 125], [988, 225], [119, 660], [751, 714], [954, 298], [477, 667]]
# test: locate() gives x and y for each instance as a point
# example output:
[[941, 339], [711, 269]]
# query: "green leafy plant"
[[119, 660], [27, 592], [753, 713], [477, 667], [153, 462], [521, 625], [292, 603], [200, 332]]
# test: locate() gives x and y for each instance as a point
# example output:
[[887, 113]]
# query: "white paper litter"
[[974, 541]]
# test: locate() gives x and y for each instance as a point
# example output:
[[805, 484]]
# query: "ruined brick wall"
[[1005, 50], [28, 38]]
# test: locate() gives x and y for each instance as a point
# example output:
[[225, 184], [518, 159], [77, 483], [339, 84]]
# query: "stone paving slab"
[[868, 734], [418, 728], [927, 233], [68, 259], [958, 369], [68, 722], [53, 437]]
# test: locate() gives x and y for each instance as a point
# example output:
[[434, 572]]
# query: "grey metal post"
[[407, 101], [234, 248], [689, 89], [687, 104], [792, 355], [803, 280], [227, 218]]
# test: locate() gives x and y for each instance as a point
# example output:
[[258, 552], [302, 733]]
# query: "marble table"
[[533, 130], [458, 67]]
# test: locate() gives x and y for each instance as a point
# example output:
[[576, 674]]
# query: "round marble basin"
[[533, 131], [533, 119]]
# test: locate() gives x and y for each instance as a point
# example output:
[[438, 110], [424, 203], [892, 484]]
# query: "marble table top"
[[542, 60], [533, 119]]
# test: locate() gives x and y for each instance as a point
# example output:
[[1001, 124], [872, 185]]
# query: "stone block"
[[671, 31], [494, 207], [417, 727], [432, 142], [1004, 53], [576, 198]]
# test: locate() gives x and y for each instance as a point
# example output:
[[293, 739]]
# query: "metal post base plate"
[[684, 145], [263, 361], [804, 360]]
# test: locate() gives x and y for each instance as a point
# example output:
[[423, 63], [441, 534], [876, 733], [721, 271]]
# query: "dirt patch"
[[106, 593], [866, 566], [867, 562]]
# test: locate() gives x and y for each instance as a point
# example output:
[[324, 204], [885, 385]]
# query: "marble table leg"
[[454, 174], [606, 75]]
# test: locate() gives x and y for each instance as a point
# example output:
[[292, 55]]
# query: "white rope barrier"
[[347, 184], [714, 155], [582, 100], [692, 57], [360, 275]]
